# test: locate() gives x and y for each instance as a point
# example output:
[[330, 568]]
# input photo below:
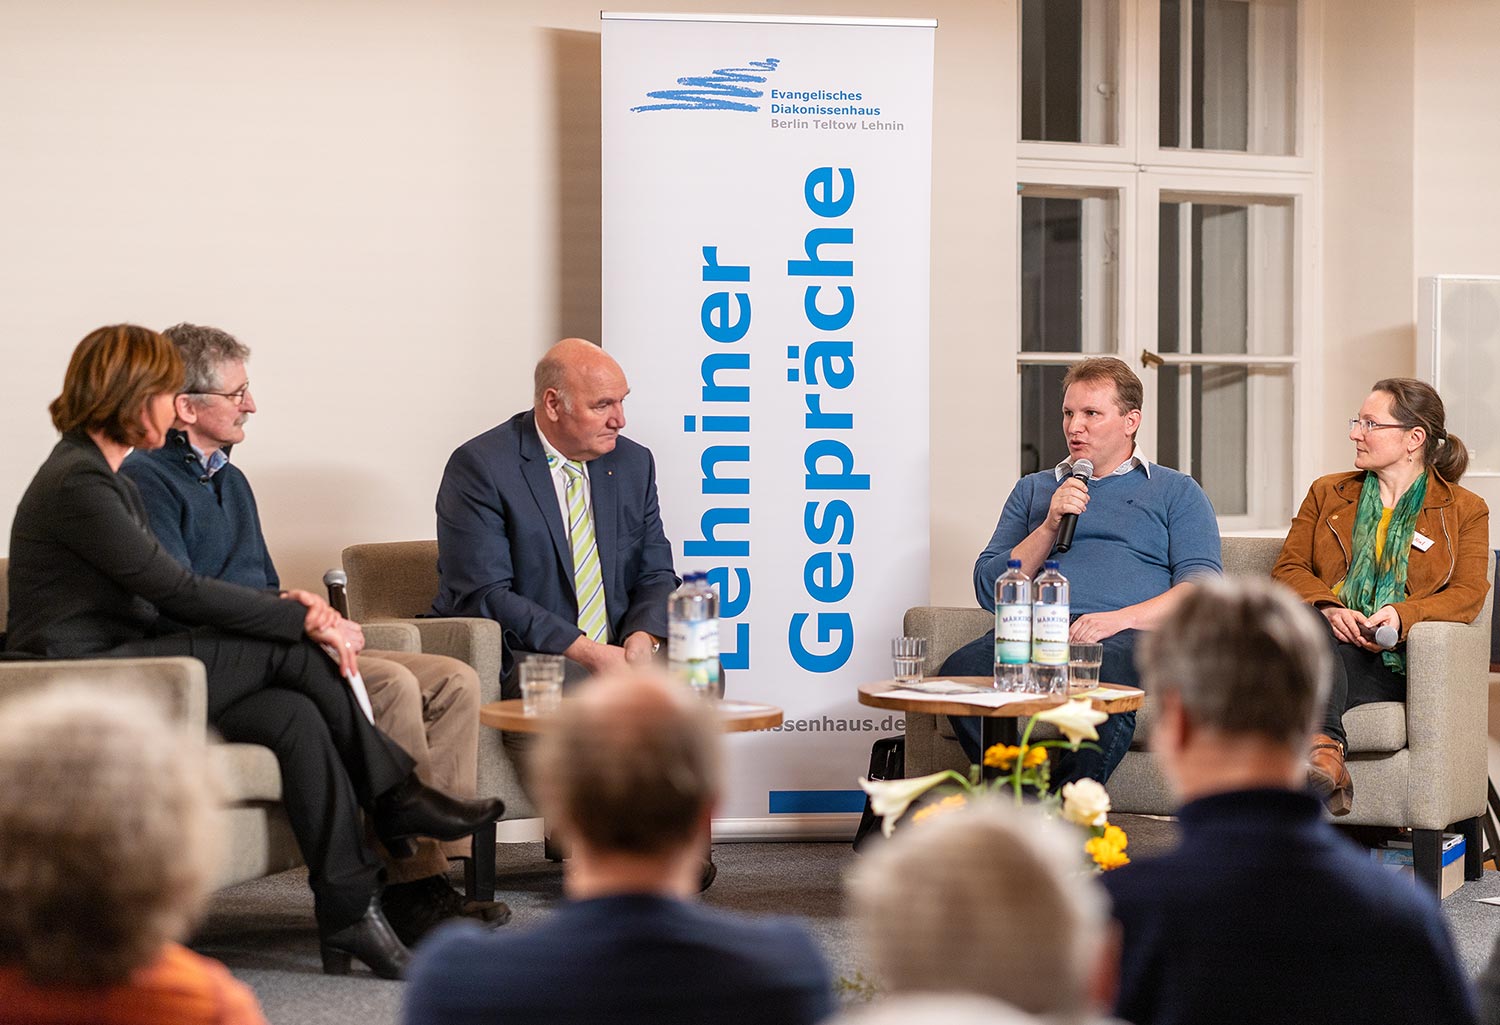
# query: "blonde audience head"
[[990, 901], [107, 845]]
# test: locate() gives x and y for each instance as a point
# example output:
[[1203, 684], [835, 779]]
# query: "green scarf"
[[1375, 583]]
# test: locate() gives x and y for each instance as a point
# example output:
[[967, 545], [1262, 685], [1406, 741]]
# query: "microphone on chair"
[[337, 582], [1083, 470]]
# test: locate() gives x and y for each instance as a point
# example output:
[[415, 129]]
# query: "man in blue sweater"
[[1144, 534], [629, 777], [203, 513], [1263, 912]]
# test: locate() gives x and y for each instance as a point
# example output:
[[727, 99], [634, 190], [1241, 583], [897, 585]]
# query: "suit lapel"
[[539, 478], [606, 496]]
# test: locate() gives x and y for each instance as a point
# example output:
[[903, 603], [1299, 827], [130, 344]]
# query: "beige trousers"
[[429, 704]]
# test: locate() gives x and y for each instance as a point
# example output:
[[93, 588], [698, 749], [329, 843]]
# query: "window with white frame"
[[1166, 191]]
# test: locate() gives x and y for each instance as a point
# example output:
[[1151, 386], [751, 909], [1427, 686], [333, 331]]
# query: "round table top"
[[734, 716], [1107, 697]]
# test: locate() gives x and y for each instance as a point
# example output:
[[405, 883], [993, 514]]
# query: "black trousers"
[[290, 698], [1359, 678]]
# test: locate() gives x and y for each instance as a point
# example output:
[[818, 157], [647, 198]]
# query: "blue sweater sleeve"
[[1193, 548], [1015, 523]]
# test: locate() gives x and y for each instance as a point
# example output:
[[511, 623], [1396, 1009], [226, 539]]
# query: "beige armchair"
[[394, 583], [1419, 765], [258, 839]]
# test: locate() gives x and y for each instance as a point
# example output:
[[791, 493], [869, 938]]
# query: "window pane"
[[1069, 269], [1229, 75], [1069, 70], [1208, 418], [1224, 283], [1042, 443]]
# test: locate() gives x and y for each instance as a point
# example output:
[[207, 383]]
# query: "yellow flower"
[[1076, 719], [1108, 851], [952, 802], [1085, 802], [1001, 756]]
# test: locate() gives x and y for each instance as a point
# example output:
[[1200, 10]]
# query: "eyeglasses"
[[1366, 426], [237, 396]]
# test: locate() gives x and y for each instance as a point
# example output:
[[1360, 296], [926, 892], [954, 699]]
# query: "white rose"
[[1085, 802]]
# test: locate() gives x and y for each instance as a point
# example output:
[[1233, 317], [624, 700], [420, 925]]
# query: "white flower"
[[1076, 719], [1085, 802], [889, 798]]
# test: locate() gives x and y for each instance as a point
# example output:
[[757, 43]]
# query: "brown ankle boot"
[[1327, 776]]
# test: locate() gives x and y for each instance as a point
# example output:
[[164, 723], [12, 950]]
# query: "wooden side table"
[[999, 724]]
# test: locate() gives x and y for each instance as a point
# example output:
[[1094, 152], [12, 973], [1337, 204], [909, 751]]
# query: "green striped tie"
[[588, 577]]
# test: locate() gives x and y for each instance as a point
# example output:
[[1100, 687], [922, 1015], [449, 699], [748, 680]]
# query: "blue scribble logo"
[[724, 89]]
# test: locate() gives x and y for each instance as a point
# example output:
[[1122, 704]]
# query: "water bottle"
[[693, 635], [1012, 628], [1049, 631]]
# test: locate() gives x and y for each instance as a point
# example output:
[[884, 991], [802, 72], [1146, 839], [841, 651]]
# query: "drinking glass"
[[541, 684], [907, 656], [1083, 666]]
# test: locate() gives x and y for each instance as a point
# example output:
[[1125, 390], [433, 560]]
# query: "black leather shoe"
[[413, 809], [416, 908], [710, 873], [372, 940]]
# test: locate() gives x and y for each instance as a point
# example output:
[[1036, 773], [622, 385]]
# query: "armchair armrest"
[[179, 683], [1447, 718], [473, 640], [384, 635]]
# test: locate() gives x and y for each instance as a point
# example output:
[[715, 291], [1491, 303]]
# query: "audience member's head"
[[631, 774], [987, 900], [1240, 663], [114, 378], [107, 845]]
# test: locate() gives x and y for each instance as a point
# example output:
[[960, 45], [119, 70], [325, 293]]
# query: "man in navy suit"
[[549, 524]]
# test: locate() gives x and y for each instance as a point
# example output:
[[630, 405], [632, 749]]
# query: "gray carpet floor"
[[264, 930]]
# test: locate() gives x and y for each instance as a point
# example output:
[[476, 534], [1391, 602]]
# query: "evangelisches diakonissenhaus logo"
[[721, 89]]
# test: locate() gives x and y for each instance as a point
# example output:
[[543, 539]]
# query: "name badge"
[[1420, 541]]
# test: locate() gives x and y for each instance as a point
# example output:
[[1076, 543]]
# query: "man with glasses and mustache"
[[203, 512]]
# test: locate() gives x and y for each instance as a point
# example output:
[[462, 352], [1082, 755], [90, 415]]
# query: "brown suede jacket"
[[1447, 582]]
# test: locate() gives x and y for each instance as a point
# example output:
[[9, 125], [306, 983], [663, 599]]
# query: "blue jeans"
[[977, 658]]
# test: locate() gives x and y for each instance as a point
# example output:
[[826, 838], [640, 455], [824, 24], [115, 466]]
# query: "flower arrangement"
[[1025, 772]]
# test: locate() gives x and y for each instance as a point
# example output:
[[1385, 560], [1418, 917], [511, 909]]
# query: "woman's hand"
[[320, 615], [354, 636], [1347, 625], [337, 646], [1386, 615]]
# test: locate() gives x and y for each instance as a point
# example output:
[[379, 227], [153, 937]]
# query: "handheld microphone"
[[1083, 470], [1384, 636], [337, 582]]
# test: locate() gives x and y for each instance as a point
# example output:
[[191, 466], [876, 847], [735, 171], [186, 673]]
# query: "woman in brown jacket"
[[1392, 544]]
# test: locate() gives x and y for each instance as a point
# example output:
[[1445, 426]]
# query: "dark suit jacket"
[[87, 575], [630, 959], [503, 549], [1264, 913]]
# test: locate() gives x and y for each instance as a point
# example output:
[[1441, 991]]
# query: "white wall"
[[396, 205], [1456, 211]]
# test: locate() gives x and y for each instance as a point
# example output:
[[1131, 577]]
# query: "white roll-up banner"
[[766, 232]]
